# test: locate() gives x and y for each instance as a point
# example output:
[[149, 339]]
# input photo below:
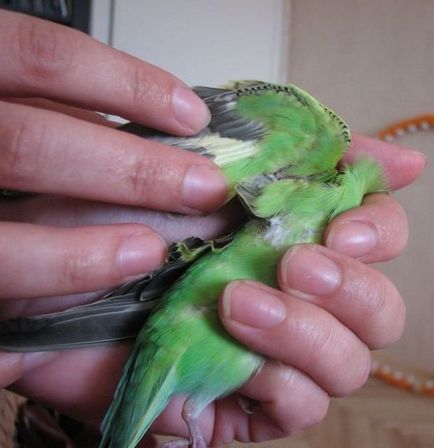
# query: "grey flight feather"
[[225, 122], [119, 315]]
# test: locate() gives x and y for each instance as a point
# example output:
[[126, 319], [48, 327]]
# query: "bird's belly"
[[212, 358]]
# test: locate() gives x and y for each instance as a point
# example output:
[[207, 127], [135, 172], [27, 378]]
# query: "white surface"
[[100, 20], [206, 42]]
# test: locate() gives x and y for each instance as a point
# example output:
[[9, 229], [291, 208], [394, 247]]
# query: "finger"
[[13, 366], [401, 165], [47, 152], [90, 375], [362, 298], [296, 333], [291, 399], [73, 260], [13, 308], [376, 231], [72, 111], [67, 212], [43, 59], [289, 402]]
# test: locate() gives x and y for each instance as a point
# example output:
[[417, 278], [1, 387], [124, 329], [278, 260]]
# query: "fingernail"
[[204, 188], [141, 253], [190, 111], [310, 272], [352, 238], [252, 306]]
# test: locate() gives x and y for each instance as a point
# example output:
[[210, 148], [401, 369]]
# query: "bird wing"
[[119, 315]]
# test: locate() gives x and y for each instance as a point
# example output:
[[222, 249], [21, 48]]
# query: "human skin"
[[106, 193]]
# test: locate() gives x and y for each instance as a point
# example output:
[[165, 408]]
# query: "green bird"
[[278, 148], [284, 171], [256, 128]]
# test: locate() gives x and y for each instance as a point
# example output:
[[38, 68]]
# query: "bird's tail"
[[142, 394]]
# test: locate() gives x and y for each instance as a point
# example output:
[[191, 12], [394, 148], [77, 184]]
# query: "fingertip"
[[307, 270], [250, 304], [353, 238], [204, 188], [74, 260], [190, 111], [376, 231], [402, 165], [141, 253]]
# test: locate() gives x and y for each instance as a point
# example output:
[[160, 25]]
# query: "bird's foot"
[[190, 414]]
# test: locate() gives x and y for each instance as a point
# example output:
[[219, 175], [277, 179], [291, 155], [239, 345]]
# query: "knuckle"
[[143, 89], [320, 338], [23, 145], [76, 268], [84, 270], [146, 175], [139, 176], [44, 49], [375, 298]]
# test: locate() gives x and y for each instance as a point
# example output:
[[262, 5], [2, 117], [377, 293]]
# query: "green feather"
[[259, 128]]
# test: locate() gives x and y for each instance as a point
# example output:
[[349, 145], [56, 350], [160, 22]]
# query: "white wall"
[[201, 42]]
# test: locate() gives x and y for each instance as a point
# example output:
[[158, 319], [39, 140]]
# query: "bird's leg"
[[190, 414]]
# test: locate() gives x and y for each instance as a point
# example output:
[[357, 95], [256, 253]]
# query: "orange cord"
[[410, 125], [415, 381]]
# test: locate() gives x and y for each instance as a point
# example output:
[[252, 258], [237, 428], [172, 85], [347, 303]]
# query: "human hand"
[[49, 146], [329, 332]]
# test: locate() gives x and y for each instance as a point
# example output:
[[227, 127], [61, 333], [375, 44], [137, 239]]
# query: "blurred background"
[[372, 61]]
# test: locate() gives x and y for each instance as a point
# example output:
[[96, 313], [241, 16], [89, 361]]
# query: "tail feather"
[[115, 406], [142, 394]]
